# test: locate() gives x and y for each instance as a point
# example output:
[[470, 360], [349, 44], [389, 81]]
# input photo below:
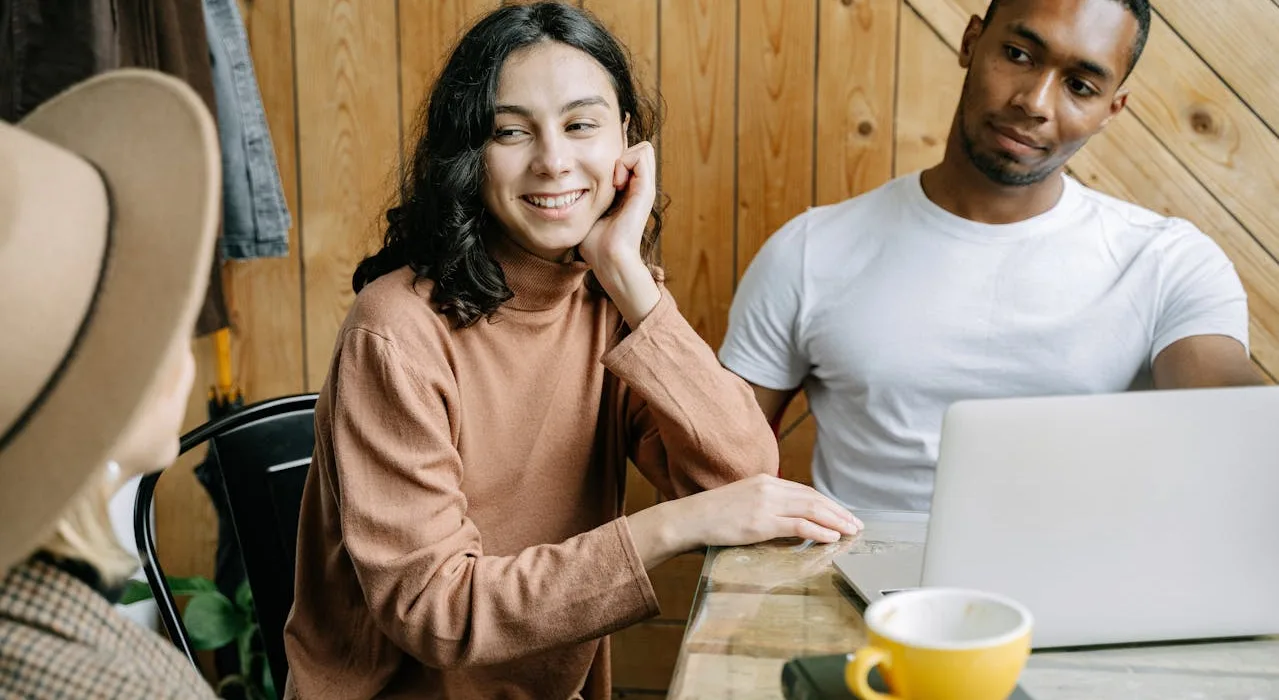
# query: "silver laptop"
[[1137, 517]]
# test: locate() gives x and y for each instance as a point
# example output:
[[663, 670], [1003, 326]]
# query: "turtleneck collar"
[[538, 284]]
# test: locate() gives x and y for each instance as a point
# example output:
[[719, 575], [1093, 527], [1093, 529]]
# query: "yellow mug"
[[943, 644]]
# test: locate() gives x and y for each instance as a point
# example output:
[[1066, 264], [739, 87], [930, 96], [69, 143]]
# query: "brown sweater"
[[461, 531]]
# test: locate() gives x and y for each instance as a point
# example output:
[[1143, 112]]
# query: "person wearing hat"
[[109, 200]]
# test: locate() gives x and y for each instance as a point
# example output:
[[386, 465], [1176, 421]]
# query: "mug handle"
[[857, 673]]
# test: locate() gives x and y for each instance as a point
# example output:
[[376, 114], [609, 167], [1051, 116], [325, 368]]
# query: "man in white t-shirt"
[[991, 274]]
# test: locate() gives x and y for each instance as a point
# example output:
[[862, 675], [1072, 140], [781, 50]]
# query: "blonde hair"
[[84, 532]]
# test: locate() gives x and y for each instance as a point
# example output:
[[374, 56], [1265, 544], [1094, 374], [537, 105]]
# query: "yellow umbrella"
[[224, 395]]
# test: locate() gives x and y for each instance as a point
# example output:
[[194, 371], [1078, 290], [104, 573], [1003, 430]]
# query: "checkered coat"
[[60, 639]]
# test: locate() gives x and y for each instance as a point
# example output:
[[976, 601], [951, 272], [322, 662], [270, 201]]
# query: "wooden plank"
[[1128, 161], [1235, 40], [675, 583], [644, 655], [639, 493], [775, 113], [1266, 376], [1196, 117], [929, 83], [186, 524], [264, 296], [796, 450], [699, 43], [856, 76], [1220, 141], [428, 31], [634, 23], [796, 435], [348, 132], [946, 17], [794, 412]]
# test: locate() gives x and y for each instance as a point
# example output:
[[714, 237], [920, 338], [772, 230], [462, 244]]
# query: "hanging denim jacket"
[[255, 215]]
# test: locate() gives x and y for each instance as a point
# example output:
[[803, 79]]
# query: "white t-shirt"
[[887, 308]]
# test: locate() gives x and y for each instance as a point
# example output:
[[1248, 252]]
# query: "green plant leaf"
[[244, 596], [213, 621], [135, 591], [190, 585], [244, 645], [268, 681]]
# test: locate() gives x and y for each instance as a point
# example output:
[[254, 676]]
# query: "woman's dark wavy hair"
[[439, 224]]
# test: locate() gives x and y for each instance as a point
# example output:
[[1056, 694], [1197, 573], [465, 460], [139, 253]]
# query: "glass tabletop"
[[756, 607]]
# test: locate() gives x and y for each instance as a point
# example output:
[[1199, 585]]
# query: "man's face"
[[1043, 77]]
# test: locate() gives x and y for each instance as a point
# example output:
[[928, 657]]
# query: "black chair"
[[262, 453]]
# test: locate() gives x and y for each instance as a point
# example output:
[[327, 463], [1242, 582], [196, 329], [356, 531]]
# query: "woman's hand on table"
[[752, 510]]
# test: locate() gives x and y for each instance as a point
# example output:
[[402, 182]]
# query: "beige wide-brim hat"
[[109, 202]]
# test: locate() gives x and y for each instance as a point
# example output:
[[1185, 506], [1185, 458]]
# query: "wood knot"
[[1203, 123], [847, 3], [865, 128], [929, 140]]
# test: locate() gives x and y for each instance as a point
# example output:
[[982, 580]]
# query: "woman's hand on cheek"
[[612, 248], [615, 237]]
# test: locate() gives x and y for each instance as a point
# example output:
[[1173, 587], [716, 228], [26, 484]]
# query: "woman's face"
[[557, 135], [152, 441]]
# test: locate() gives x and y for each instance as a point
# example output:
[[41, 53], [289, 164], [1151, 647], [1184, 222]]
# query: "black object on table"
[[822, 678]]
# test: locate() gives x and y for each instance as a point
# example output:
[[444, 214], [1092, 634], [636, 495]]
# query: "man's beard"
[[996, 168]]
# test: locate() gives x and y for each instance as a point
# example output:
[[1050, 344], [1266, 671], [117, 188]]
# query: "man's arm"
[[773, 402], [762, 344], [1201, 361]]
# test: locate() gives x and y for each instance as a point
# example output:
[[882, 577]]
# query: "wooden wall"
[[772, 106]]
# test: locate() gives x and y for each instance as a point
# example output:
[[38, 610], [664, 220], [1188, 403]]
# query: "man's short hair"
[[1139, 9]]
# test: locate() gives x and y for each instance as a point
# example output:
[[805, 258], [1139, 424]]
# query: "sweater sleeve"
[[417, 556], [694, 425]]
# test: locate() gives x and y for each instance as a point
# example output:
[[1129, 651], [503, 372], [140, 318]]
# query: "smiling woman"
[[558, 160], [550, 166], [510, 348], [563, 94]]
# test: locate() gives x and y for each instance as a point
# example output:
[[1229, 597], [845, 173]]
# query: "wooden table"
[[758, 606]]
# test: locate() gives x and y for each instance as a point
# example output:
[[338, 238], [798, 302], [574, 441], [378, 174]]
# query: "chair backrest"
[[262, 453], [263, 459], [143, 513]]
